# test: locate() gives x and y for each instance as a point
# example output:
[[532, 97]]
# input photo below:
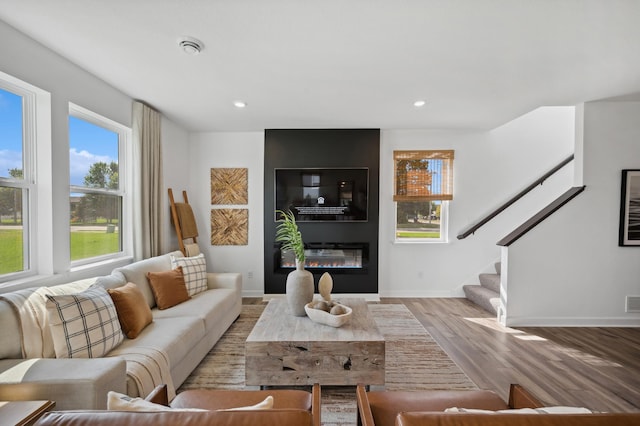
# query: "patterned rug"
[[413, 361]]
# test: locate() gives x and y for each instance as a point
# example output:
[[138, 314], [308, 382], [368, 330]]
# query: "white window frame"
[[125, 183], [36, 106], [443, 195], [444, 227]]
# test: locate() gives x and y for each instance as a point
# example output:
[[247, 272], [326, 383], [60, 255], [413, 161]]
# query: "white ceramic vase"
[[299, 289]]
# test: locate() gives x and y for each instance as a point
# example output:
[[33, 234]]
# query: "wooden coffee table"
[[285, 350], [23, 413]]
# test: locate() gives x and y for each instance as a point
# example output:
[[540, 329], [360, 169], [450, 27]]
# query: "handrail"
[[541, 215], [515, 198]]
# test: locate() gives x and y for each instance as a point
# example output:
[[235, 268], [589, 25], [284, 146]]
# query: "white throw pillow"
[[563, 410], [194, 270], [267, 404], [83, 325], [540, 410], [121, 402]]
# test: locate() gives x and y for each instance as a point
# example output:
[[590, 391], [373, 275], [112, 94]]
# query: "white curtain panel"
[[147, 200]]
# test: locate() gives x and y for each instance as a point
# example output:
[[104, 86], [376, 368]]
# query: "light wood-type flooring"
[[597, 368]]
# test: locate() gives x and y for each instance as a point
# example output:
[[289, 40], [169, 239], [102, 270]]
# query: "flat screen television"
[[329, 194]]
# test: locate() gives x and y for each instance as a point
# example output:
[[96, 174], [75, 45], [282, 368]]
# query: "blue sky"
[[88, 143], [10, 132]]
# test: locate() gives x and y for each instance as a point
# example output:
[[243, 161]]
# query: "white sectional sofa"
[[184, 334]]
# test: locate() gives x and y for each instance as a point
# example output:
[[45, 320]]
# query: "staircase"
[[487, 294]]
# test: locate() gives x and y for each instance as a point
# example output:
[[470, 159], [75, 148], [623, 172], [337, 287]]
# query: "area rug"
[[413, 361]]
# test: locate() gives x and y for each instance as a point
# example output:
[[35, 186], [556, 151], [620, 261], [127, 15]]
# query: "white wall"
[[29, 61], [209, 150], [489, 168], [570, 269], [176, 172]]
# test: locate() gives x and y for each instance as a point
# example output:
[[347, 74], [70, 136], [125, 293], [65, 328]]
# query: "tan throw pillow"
[[133, 312], [168, 287], [83, 325]]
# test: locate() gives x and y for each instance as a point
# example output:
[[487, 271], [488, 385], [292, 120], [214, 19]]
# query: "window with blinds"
[[423, 175], [423, 186]]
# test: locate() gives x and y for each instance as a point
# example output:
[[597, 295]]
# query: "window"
[[423, 185], [16, 137], [96, 147]]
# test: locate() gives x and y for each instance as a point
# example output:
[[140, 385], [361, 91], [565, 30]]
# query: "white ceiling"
[[346, 63]]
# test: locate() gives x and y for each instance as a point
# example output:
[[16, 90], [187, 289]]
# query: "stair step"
[[490, 281], [482, 296]]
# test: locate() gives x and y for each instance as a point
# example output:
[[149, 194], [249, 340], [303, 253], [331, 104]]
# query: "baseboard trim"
[[571, 322], [369, 297], [424, 295]]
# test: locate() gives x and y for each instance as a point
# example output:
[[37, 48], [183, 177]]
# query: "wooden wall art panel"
[[229, 227], [229, 186]]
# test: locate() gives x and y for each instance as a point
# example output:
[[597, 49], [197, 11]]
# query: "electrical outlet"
[[632, 304], [250, 274]]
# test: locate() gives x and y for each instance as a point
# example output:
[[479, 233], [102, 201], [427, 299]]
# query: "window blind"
[[423, 175]]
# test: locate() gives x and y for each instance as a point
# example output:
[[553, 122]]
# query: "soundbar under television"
[[329, 194]]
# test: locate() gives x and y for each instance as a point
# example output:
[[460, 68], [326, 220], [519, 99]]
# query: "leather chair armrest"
[[159, 395], [519, 397], [315, 405], [364, 414]]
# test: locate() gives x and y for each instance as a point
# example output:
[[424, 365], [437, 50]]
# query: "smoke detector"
[[190, 45]]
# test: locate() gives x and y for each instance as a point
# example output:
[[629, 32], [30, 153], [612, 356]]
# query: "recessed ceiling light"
[[239, 104], [419, 103], [190, 45]]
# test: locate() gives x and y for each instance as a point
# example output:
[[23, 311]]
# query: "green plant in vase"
[[289, 235], [300, 288]]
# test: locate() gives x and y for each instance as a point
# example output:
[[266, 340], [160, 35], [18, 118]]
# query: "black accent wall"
[[324, 148]]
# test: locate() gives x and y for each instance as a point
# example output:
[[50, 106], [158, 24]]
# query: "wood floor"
[[597, 368]]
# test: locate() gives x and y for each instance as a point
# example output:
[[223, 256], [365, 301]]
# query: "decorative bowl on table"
[[323, 317]]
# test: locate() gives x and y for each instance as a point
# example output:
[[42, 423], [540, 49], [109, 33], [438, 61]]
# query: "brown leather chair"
[[214, 399], [380, 408], [291, 408]]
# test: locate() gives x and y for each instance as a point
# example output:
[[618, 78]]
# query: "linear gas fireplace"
[[335, 258]]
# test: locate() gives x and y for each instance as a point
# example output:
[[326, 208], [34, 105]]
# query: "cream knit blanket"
[[148, 367], [30, 307]]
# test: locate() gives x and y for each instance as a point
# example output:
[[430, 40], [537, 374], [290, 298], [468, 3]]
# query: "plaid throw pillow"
[[84, 325], [194, 270]]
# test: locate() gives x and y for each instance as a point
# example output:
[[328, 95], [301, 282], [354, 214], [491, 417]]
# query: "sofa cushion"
[[168, 287], [84, 325], [137, 273], [133, 312], [176, 337], [208, 305], [10, 343], [114, 280], [73, 383], [194, 270]]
